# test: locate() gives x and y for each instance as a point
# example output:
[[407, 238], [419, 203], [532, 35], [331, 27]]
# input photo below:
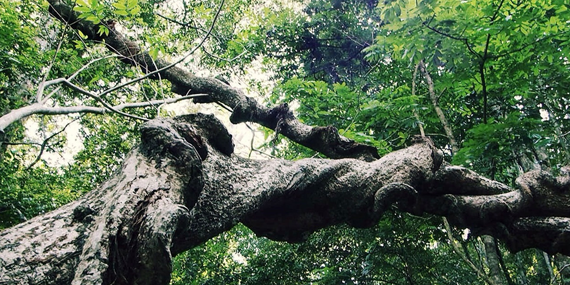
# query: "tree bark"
[[491, 255], [182, 186], [491, 250], [435, 102]]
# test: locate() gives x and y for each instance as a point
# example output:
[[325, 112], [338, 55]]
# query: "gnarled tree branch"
[[326, 140]]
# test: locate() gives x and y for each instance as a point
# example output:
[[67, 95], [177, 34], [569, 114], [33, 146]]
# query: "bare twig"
[[434, 99], [94, 96], [447, 35], [42, 86], [40, 90], [420, 124], [44, 144], [18, 114]]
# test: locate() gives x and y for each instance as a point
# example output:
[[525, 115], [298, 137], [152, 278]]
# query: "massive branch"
[[183, 186], [245, 109]]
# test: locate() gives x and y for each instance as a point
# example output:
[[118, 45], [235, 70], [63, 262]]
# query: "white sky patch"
[[544, 115], [239, 258], [73, 144], [465, 234]]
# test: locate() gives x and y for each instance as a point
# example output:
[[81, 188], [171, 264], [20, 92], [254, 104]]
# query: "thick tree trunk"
[[183, 186]]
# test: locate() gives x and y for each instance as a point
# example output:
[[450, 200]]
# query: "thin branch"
[[251, 147], [178, 22], [414, 76], [188, 25], [20, 143], [496, 14], [224, 59], [434, 99], [483, 81], [464, 40], [43, 84], [44, 143], [157, 102], [149, 74], [40, 92], [94, 96], [39, 109], [458, 251], [326, 140], [224, 106]]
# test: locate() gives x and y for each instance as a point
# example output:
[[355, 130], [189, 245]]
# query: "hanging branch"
[[325, 140]]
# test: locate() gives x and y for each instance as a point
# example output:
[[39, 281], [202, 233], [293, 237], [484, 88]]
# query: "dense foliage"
[[497, 71]]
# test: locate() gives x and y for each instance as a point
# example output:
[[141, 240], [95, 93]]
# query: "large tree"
[[182, 184]]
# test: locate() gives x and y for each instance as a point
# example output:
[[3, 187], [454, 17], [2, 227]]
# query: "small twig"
[[42, 86], [94, 96], [251, 147], [20, 143], [464, 40], [420, 125], [44, 143], [40, 90], [36, 108], [225, 107], [224, 59]]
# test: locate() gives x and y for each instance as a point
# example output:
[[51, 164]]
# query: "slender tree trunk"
[[521, 270], [490, 246], [491, 256], [563, 265], [435, 102]]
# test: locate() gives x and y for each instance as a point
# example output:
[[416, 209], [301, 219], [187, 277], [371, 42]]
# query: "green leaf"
[[103, 30], [120, 5], [153, 52], [82, 9], [92, 18], [132, 4]]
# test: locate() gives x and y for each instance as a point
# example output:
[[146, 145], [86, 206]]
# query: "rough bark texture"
[[183, 186], [492, 257]]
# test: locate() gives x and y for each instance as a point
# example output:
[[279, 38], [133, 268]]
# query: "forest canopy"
[[315, 105]]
